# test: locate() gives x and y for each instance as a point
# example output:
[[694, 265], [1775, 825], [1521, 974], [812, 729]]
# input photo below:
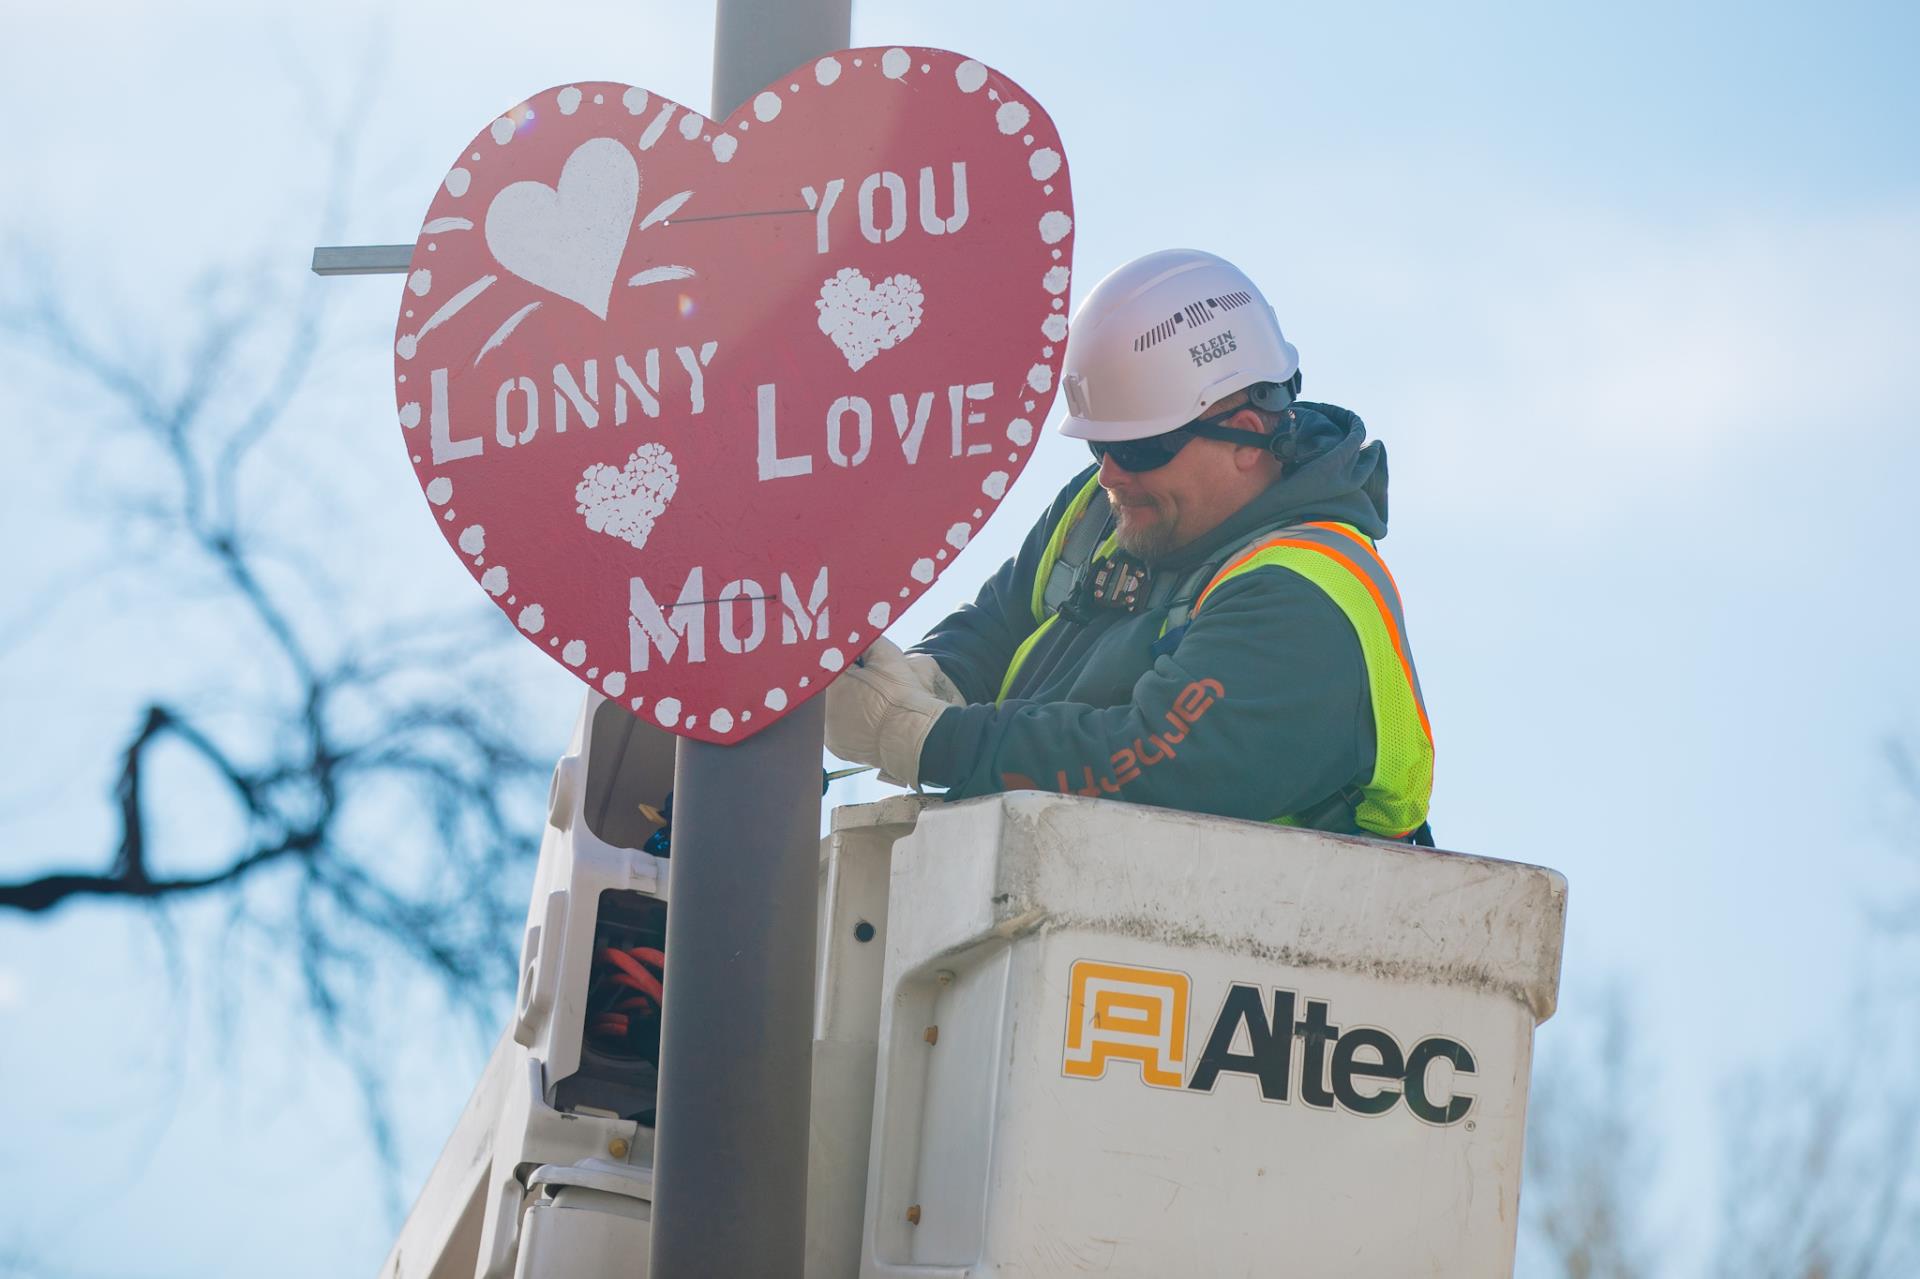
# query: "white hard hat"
[[1164, 338]]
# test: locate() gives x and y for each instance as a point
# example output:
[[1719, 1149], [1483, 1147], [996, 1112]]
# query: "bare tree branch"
[[377, 809], [1587, 1161], [1820, 1161]]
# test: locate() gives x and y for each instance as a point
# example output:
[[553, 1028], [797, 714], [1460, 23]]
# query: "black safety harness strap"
[[1076, 554]]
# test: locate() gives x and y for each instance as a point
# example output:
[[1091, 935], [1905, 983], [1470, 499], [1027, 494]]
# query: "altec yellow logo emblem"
[[1126, 1013], [1133, 1014]]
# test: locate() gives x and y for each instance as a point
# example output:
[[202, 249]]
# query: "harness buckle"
[[1118, 582]]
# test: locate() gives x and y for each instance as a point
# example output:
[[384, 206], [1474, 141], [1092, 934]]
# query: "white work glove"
[[879, 713], [926, 669]]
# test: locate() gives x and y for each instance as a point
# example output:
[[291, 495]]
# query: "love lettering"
[[849, 428]]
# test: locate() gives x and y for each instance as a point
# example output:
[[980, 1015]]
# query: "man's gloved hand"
[[878, 712], [926, 669]]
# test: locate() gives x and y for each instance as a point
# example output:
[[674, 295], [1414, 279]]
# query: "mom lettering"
[[741, 618]]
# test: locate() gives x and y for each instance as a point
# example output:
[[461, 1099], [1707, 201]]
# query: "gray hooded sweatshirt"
[[1257, 708]]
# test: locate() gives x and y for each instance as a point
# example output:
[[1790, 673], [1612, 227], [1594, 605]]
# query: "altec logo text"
[[1120, 1012]]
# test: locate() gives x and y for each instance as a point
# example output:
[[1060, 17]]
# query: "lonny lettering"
[[572, 394]]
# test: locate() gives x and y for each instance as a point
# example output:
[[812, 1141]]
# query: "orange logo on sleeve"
[[1129, 762], [1118, 1011]]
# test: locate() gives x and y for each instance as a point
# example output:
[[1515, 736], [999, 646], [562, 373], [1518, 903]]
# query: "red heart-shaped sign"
[[705, 405]]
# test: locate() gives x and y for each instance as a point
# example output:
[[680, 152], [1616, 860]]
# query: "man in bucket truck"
[[1200, 620]]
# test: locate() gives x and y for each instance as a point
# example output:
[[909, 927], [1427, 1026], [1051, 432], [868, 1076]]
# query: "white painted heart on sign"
[[864, 318], [569, 240], [624, 503]]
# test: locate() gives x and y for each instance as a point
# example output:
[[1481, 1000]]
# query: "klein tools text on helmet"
[[1162, 339]]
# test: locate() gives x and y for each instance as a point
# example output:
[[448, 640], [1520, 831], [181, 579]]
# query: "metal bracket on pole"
[[362, 259]]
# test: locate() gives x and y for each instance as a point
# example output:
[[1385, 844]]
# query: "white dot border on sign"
[[1045, 163]]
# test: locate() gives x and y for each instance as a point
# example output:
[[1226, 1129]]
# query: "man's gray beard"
[[1147, 544]]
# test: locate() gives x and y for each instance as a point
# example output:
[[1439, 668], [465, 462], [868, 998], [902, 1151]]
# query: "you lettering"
[[881, 201]]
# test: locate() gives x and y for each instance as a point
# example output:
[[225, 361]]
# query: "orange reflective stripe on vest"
[[1344, 564]]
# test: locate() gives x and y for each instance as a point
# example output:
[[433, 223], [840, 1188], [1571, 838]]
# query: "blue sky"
[[1629, 292]]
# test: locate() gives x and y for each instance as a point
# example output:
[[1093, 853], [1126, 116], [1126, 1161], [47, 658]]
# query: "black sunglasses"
[[1155, 451]]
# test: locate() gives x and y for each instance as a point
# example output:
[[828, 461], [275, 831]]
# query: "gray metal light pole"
[[736, 1047]]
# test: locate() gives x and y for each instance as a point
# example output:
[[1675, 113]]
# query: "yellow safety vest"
[[1344, 563]]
